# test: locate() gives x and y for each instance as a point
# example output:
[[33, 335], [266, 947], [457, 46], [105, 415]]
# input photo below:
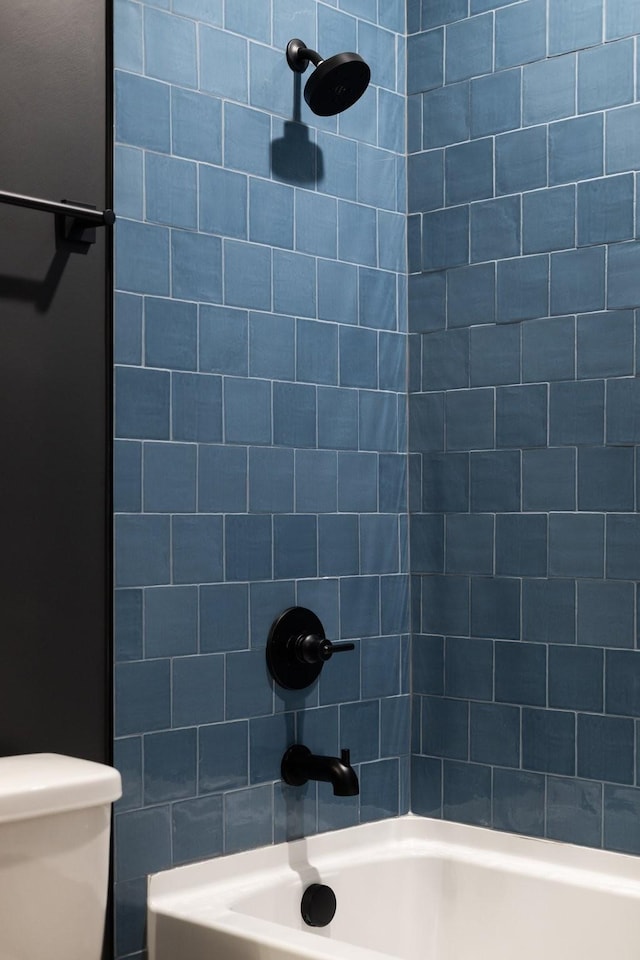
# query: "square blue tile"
[[445, 482], [549, 89], [271, 346], [295, 547], [576, 678], [425, 181], [523, 289], [169, 478], [337, 418], [425, 61], [270, 213], [521, 160], [470, 543], [495, 229], [445, 115], [495, 607], [521, 416], [224, 617], [247, 275], [521, 33], [248, 685], [470, 419], [247, 411], [445, 605], [357, 233], [622, 19], [518, 802], [578, 280], [621, 819], [521, 545], [142, 258], [494, 734], [170, 334], [623, 139], [248, 548], [127, 347], [471, 295], [223, 341], [127, 477], [623, 423], [196, 266], [549, 479], [549, 220], [466, 793], [223, 756], [549, 611], [141, 550], [623, 284], [469, 171], [574, 811], [248, 819], [337, 291], [576, 413], [606, 613], [469, 50], [605, 210], [469, 668], [271, 473], [197, 828], [170, 767], [294, 415], [623, 561], [606, 478], [605, 748], [223, 63], [445, 725], [223, 202], [605, 344], [170, 48], [572, 28], [143, 112], [495, 481], [548, 349], [197, 549], [127, 614], [549, 741], [576, 545], [196, 407], [222, 479], [143, 842], [143, 697], [605, 76], [128, 182], [496, 103], [576, 149], [196, 126], [521, 673]]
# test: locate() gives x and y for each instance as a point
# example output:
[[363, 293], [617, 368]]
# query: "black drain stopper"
[[318, 905]]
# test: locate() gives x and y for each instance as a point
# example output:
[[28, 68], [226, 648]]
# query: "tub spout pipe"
[[300, 765]]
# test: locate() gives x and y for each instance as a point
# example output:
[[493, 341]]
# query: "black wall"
[[55, 373]]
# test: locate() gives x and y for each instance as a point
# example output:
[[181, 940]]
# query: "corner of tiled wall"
[[260, 425], [524, 147]]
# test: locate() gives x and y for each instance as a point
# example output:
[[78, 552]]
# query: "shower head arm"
[[299, 56]]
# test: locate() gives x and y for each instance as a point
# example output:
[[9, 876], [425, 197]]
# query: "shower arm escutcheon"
[[297, 648]]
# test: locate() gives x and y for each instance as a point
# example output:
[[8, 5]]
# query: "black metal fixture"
[[335, 84], [300, 765], [297, 648], [318, 905], [80, 221]]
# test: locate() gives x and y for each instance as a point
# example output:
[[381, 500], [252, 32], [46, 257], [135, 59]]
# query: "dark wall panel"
[[54, 384]]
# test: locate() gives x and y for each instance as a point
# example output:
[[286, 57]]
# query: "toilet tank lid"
[[37, 784]]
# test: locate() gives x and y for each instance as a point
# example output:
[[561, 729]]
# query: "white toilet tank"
[[55, 821]]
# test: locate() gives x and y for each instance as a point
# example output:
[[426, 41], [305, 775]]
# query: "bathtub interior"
[[419, 897]]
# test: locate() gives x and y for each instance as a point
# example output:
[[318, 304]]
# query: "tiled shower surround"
[[524, 142], [260, 423], [262, 443]]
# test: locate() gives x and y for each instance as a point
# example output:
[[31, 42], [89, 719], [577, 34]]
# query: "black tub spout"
[[299, 765]]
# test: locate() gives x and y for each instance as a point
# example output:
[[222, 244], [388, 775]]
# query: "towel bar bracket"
[[76, 221]]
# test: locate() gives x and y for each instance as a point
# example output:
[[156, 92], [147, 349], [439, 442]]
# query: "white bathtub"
[[411, 888]]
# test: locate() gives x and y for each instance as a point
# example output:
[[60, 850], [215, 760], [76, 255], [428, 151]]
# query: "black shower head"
[[335, 84]]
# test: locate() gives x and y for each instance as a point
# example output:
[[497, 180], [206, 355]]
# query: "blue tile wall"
[[260, 422], [523, 426]]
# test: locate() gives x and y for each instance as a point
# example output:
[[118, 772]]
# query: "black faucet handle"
[[313, 648]]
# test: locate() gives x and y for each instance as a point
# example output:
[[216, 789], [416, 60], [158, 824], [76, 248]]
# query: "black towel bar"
[[84, 217]]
